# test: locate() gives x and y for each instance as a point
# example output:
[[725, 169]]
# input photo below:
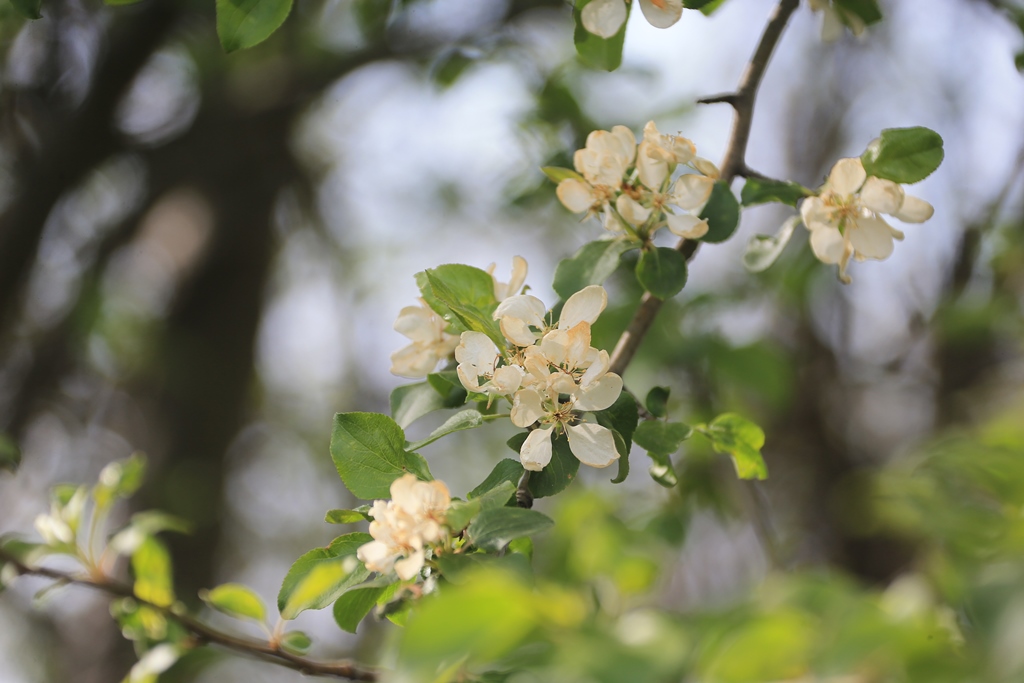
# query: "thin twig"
[[733, 165], [203, 633]]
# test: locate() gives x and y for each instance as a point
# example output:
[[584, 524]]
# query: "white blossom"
[[503, 290], [604, 18], [430, 343], [834, 18], [844, 218]]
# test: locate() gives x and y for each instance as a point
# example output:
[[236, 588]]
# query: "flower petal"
[[535, 453], [626, 144], [662, 13], [687, 225], [691, 191], [593, 444], [575, 195], [631, 210], [847, 176], [601, 394], [477, 349], [827, 244], [604, 18], [526, 408], [881, 196], [583, 306], [871, 238], [706, 166], [815, 214], [414, 361], [651, 165], [599, 364], [914, 210], [410, 566]]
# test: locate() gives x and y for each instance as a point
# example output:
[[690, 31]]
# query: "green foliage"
[[236, 600], [120, 479], [621, 417], [244, 23], [865, 10], [722, 212], [369, 452], [904, 155], [449, 387], [464, 296], [151, 564], [763, 191], [507, 470], [320, 576], [661, 271], [10, 454], [296, 642], [657, 400], [28, 8], [558, 474], [763, 250], [594, 51], [591, 265], [556, 174], [353, 606], [661, 438], [742, 440], [360, 514], [467, 419], [410, 402], [494, 528]]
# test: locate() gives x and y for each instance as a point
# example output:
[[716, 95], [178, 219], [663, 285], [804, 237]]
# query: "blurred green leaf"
[[347, 516], [410, 402], [722, 212], [368, 450], [28, 8], [236, 600], [10, 454], [494, 528], [591, 265], [662, 271], [742, 440], [507, 470], [595, 51], [657, 399], [151, 565], [448, 385], [557, 174], [296, 642], [466, 419], [762, 191], [120, 479], [865, 10], [662, 438], [904, 155], [353, 606], [320, 576], [244, 23], [621, 416], [763, 250]]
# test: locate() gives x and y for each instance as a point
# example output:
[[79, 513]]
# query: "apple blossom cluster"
[[844, 218], [604, 18], [630, 187], [550, 372], [406, 527]]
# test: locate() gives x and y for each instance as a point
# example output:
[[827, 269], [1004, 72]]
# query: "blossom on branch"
[[604, 18], [430, 343]]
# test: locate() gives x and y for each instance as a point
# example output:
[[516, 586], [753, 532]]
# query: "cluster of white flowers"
[[604, 18], [431, 344], [630, 186], [406, 526], [844, 219], [550, 372]]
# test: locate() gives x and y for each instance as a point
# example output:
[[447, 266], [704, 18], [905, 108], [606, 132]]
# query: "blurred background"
[[202, 255]]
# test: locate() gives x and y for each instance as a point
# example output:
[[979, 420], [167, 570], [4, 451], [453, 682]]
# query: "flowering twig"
[[733, 165], [202, 633]]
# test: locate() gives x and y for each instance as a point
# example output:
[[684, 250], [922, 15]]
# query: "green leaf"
[[623, 448], [467, 419], [763, 250], [866, 10], [558, 474], [507, 470], [661, 271], [742, 439], [347, 516], [120, 479], [410, 402], [557, 174], [321, 575], [663, 438], [449, 387], [296, 642], [244, 23], [595, 51], [235, 600], [722, 212], [468, 295], [352, 607], [662, 471], [494, 528], [621, 416], [369, 451], [591, 265], [460, 514], [10, 454], [762, 191], [904, 155], [657, 399], [28, 8], [151, 565]]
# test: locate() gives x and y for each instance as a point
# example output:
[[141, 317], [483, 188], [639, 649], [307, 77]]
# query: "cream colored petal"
[[519, 270], [578, 345], [705, 166], [831, 26], [691, 191], [593, 444], [525, 307], [612, 223], [508, 379], [418, 324], [815, 214], [410, 566], [575, 195], [651, 165], [604, 18], [527, 408], [871, 238], [536, 363], [601, 394], [561, 383], [470, 380], [414, 361], [476, 349], [687, 225], [662, 13], [914, 210], [599, 364], [517, 331], [584, 305], [376, 556], [627, 144], [554, 346], [535, 453], [827, 244], [847, 176], [881, 196], [631, 210]]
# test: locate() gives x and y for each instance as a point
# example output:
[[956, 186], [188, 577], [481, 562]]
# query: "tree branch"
[[733, 165], [203, 633]]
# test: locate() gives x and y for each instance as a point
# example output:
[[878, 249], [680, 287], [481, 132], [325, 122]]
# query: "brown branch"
[[203, 633], [733, 165]]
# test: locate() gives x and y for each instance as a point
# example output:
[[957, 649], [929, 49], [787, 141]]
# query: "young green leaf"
[[468, 294], [353, 606], [151, 565], [722, 212], [657, 399], [467, 419], [594, 51], [557, 174], [591, 265], [763, 250], [662, 272], [449, 387], [740, 438], [317, 578], [368, 450], [244, 23], [904, 155], [663, 438], [296, 642], [410, 402], [558, 473], [347, 516], [762, 191], [235, 600], [494, 528], [623, 448], [507, 470], [865, 10], [28, 8], [120, 479]]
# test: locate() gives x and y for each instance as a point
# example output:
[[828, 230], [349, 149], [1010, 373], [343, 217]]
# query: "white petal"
[[871, 238], [535, 453], [687, 225], [914, 210], [575, 195], [583, 306], [601, 394], [827, 244], [410, 566], [554, 346], [815, 214], [831, 26], [414, 361], [376, 556], [847, 176], [881, 196], [418, 324], [705, 166], [626, 144], [653, 169], [517, 331], [477, 349], [508, 379], [578, 346], [599, 365], [526, 408], [691, 191], [519, 270], [604, 18], [525, 307], [662, 13], [631, 210], [593, 444]]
